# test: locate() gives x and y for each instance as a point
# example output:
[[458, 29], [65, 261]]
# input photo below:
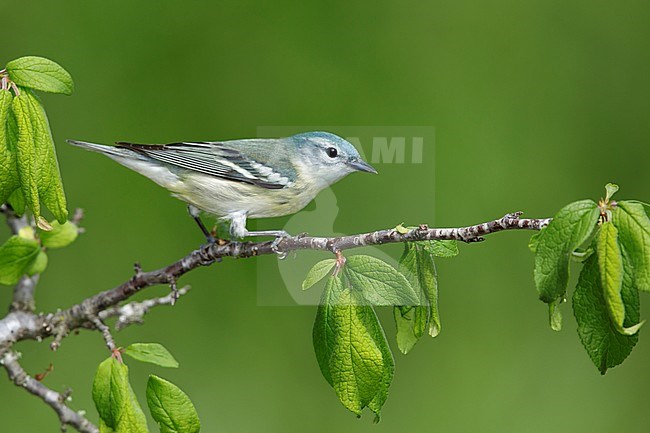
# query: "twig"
[[134, 312], [14, 222], [77, 216], [105, 330], [55, 400], [23, 299]]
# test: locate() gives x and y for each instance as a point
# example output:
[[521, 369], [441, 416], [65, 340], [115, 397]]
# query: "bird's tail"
[[112, 151]]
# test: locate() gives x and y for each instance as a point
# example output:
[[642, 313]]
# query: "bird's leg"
[[274, 233], [238, 230], [194, 213]]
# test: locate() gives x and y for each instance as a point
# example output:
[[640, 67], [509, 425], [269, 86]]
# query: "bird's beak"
[[361, 165]]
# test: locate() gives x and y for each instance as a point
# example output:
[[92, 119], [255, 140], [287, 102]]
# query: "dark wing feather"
[[211, 158]]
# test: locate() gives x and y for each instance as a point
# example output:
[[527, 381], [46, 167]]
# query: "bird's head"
[[329, 156]]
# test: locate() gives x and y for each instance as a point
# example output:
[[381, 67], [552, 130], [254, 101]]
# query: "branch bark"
[[23, 299], [55, 400]]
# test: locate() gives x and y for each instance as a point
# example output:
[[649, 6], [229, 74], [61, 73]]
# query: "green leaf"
[[60, 236], [323, 336], [103, 428], [610, 267], [17, 202], [8, 169], [555, 315], [428, 284], [534, 240], [110, 390], [645, 205], [171, 408], [377, 333], [26, 153], [570, 228], [351, 348], [16, 199], [153, 353], [38, 265], [634, 233], [38, 169], [16, 257], [441, 248], [605, 345], [610, 190], [580, 255], [408, 322], [318, 272], [27, 232], [41, 74], [133, 419], [403, 230], [418, 266], [379, 282], [115, 401], [49, 183]]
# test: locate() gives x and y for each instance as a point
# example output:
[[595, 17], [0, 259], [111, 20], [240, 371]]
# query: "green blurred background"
[[534, 104]]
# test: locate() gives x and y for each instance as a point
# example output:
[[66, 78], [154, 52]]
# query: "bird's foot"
[[275, 247]]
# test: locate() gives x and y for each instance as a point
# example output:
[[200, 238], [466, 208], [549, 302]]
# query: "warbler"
[[239, 179]]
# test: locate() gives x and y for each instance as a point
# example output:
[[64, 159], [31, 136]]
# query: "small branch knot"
[[137, 269], [174, 289], [514, 215], [340, 262]]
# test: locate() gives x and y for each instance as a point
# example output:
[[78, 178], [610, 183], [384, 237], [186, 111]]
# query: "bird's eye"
[[332, 152]]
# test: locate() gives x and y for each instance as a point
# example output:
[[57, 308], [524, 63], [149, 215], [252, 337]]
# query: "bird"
[[239, 179]]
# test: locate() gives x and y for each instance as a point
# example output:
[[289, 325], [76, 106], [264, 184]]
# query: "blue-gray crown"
[[342, 143]]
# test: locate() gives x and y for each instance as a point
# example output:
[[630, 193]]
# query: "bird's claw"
[[275, 243], [275, 247]]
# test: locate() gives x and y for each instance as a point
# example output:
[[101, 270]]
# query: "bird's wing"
[[224, 160]]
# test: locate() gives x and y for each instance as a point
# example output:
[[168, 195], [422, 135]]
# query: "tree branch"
[[14, 222], [134, 312], [77, 316], [23, 298], [55, 400], [21, 323]]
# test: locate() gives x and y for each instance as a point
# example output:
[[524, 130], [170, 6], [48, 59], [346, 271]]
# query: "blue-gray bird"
[[239, 179]]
